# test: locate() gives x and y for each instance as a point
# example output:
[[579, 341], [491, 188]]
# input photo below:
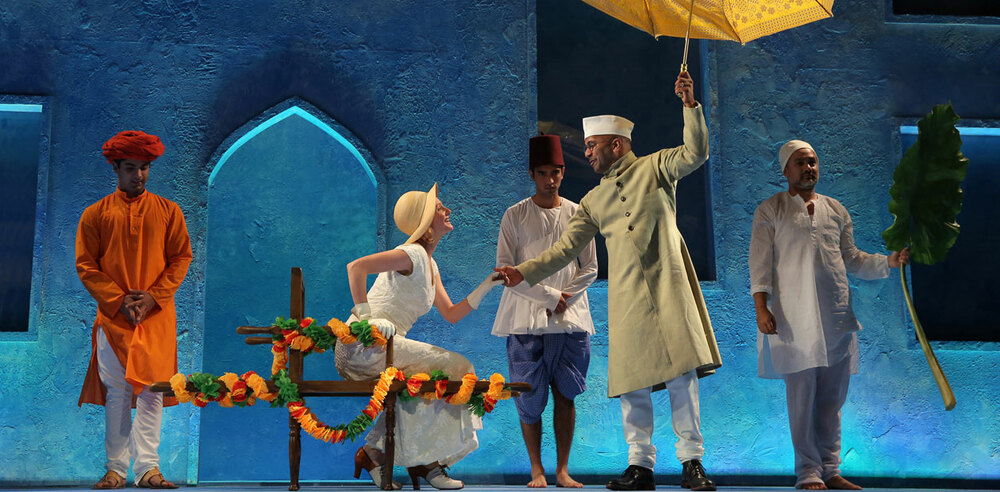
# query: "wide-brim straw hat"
[[414, 212]]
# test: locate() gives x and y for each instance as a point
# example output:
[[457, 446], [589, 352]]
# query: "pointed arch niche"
[[291, 188]]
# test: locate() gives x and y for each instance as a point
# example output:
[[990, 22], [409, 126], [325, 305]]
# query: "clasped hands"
[[136, 305]]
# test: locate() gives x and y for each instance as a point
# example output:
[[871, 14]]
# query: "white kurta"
[[801, 261], [426, 431], [526, 230]]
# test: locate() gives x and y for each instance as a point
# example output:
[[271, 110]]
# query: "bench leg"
[[294, 453], [389, 407]]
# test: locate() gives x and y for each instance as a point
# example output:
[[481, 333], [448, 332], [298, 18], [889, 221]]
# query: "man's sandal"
[[110, 480], [153, 479]]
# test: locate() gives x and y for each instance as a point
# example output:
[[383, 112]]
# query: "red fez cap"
[[133, 145], [545, 150]]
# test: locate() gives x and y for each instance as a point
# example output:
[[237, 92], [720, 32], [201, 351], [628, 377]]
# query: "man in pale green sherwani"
[[660, 334]]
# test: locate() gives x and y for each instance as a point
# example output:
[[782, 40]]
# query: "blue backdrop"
[[445, 91]]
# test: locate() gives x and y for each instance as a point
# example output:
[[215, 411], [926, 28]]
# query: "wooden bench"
[[334, 388]]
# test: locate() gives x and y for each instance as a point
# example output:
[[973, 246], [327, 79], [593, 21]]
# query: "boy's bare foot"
[[564, 480], [537, 478]]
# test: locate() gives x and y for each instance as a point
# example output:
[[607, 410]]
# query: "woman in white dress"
[[430, 435]]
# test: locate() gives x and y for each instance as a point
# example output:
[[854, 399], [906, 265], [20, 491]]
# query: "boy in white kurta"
[[801, 249], [547, 325]]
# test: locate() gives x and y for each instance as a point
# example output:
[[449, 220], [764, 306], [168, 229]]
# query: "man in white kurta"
[[548, 325], [659, 330], [801, 250]]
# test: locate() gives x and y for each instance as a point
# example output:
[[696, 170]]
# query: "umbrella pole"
[[687, 42], [687, 38]]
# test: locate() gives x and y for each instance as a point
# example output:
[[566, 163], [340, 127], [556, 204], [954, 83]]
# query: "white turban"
[[607, 124], [788, 149]]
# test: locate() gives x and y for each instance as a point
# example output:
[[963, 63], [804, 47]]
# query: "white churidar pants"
[[123, 437], [685, 413], [815, 397]]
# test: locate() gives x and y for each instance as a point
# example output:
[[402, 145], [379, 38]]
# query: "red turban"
[[133, 145]]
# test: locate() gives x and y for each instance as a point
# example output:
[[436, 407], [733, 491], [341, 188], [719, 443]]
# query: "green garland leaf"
[[477, 404], [363, 331], [207, 384], [283, 324], [437, 375], [319, 336], [287, 390]]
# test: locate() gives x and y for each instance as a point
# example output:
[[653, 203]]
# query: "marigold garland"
[[461, 397], [229, 379], [178, 382], [307, 337], [312, 426], [413, 384]]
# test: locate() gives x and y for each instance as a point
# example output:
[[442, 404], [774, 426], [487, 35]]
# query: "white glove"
[[386, 327], [477, 295], [362, 311]]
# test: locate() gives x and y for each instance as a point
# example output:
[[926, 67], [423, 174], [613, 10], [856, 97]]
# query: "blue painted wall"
[[444, 91]]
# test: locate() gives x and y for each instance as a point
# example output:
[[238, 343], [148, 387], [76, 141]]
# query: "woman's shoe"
[[362, 460], [435, 475]]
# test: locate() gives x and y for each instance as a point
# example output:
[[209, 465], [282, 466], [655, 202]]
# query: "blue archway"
[[291, 188]]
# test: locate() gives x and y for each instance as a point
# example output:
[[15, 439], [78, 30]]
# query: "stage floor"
[[471, 488]]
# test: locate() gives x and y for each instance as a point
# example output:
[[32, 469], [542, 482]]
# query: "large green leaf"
[[926, 192]]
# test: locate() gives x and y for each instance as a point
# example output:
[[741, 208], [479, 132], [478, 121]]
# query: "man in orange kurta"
[[132, 253]]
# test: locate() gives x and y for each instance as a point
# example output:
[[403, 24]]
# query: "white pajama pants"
[[685, 413], [123, 437], [815, 397]]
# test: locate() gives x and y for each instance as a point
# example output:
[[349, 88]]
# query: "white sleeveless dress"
[[426, 431]]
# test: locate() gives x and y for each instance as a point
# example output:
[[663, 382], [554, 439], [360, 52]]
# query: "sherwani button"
[[623, 199]]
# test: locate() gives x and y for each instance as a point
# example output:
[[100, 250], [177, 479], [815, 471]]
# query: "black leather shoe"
[[694, 477], [634, 478]]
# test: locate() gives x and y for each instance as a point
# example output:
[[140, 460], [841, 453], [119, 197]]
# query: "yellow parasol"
[[732, 20]]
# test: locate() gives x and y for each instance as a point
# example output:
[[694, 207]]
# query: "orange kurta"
[[133, 243]]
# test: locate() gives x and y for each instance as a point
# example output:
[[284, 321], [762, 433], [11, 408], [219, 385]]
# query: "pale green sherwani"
[[659, 325]]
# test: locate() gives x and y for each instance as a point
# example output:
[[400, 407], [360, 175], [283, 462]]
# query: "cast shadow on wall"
[[291, 188]]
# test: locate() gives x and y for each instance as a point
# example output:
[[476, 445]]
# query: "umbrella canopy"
[[733, 20]]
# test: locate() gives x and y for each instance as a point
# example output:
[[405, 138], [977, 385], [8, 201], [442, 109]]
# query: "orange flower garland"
[[280, 360], [258, 385], [178, 382], [465, 391], [413, 384], [494, 393], [305, 336], [312, 426], [229, 379], [341, 331]]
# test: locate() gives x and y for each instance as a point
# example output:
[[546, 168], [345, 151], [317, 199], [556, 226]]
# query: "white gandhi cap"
[[607, 124], [788, 149]]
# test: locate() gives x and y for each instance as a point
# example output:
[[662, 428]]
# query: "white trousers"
[[815, 397], [123, 437], [685, 413]]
